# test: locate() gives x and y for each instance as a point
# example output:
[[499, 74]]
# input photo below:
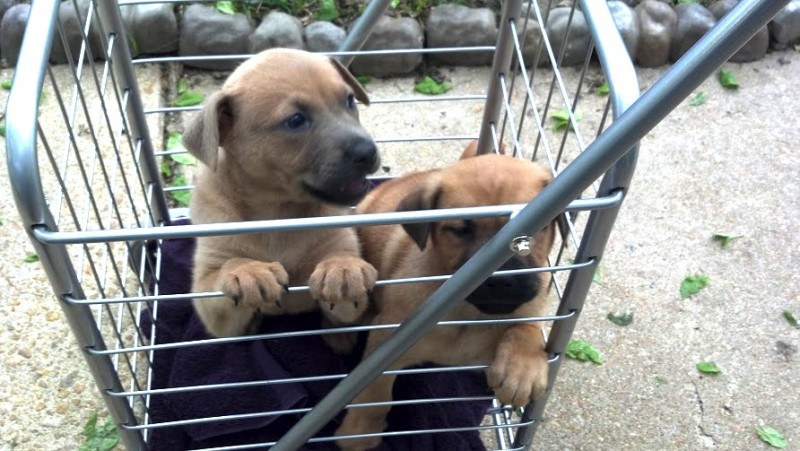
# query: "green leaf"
[[724, 240], [328, 11], [181, 197], [90, 428], [3, 129], [603, 89], [394, 4], [5, 84], [226, 7], [661, 380], [364, 79], [698, 99], [185, 159], [620, 320], [31, 258], [166, 170], [708, 368], [728, 79], [182, 86], [431, 87], [597, 277], [175, 143], [189, 98], [692, 285], [580, 350], [772, 436], [791, 319], [561, 118]]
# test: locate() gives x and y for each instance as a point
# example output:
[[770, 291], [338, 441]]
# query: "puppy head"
[[287, 121], [479, 181]]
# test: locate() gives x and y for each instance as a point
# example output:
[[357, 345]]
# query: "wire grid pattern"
[[96, 182]]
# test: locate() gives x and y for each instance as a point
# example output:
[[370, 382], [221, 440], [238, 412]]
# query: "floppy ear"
[[425, 197], [360, 93], [209, 129], [471, 150]]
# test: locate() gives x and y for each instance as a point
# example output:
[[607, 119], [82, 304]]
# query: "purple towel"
[[280, 359]]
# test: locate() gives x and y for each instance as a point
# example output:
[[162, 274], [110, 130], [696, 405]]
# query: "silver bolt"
[[521, 245]]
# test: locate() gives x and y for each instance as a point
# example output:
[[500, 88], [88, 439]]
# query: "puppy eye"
[[296, 121], [466, 230], [351, 101]]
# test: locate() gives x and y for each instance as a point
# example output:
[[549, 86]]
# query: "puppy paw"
[[341, 285], [356, 424], [518, 378], [257, 285]]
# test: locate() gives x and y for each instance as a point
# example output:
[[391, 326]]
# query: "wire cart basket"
[[89, 188]]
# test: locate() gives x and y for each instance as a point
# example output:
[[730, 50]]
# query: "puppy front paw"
[[355, 423], [256, 285], [518, 378], [341, 285]]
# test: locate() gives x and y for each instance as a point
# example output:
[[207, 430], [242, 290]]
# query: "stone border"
[[655, 32]]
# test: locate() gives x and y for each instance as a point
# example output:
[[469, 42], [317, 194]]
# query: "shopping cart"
[[98, 210]]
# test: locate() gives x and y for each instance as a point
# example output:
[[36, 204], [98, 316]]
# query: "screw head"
[[521, 245]]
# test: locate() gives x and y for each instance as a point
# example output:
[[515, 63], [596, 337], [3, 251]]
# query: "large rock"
[[390, 33], [694, 20], [579, 39], [206, 31], [530, 39], [459, 26], [755, 48], [11, 30], [627, 24], [277, 29], [785, 26], [657, 22], [72, 24], [5, 5], [152, 28], [323, 37]]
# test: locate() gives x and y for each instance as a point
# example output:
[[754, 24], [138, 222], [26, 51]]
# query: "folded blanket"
[[279, 359]]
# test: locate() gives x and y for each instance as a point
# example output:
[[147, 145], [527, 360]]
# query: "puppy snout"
[[502, 294], [362, 154]]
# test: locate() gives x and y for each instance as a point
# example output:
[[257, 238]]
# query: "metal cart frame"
[[99, 318]]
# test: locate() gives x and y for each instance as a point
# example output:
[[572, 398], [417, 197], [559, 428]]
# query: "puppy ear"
[[209, 129], [471, 150], [360, 93], [423, 198]]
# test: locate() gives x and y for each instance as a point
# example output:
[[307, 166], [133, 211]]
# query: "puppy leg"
[[518, 373], [369, 420], [251, 288], [341, 284]]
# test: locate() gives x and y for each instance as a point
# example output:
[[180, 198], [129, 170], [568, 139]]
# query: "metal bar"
[[361, 30], [711, 51], [500, 67], [109, 15], [49, 236]]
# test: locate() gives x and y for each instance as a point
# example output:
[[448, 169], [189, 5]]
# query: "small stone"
[[694, 20], [785, 26], [72, 26], [39, 406], [24, 352], [579, 40], [61, 408], [11, 30], [390, 33], [79, 388], [756, 47], [68, 380], [206, 31], [628, 26], [277, 29], [53, 316], [452, 25], [657, 22], [323, 37], [152, 28]]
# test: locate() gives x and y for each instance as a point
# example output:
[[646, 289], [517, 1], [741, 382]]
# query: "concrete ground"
[[727, 166]]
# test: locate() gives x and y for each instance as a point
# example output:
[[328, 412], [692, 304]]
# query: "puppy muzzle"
[[501, 295]]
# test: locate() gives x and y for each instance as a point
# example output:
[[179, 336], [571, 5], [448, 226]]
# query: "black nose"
[[362, 154], [503, 294]]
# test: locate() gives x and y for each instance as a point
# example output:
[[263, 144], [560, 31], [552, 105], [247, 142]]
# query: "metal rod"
[[362, 29]]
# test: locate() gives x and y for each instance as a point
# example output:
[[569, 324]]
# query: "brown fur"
[[515, 353], [260, 167]]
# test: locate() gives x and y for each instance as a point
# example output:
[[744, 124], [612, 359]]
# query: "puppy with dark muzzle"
[[514, 352], [281, 139]]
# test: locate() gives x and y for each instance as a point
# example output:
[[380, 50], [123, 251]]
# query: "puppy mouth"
[[347, 193]]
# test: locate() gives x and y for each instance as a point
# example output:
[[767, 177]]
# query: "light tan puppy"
[[515, 353], [281, 139]]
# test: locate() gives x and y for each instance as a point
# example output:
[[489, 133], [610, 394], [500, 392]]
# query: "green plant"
[[724, 240], [692, 285], [31, 258], [187, 97], [328, 11], [728, 80], [429, 86], [699, 99], [182, 196], [561, 118], [583, 351], [5, 84], [791, 319], [772, 436], [99, 438], [708, 368], [620, 320], [603, 89]]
